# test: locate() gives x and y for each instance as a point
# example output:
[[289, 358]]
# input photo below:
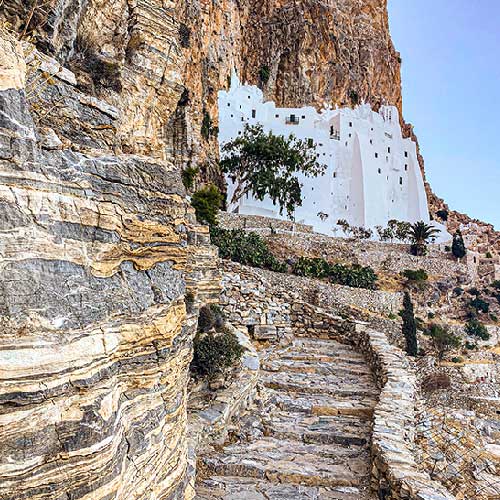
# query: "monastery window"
[[406, 167], [276, 116], [303, 117], [376, 155], [248, 97], [388, 149], [310, 142], [350, 124], [345, 143], [371, 141], [379, 170], [232, 116], [292, 120], [334, 175], [242, 118], [254, 113], [406, 154], [401, 181], [387, 159], [229, 104], [350, 135]]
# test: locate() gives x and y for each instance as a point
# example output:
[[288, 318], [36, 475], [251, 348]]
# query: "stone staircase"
[[307, 438]]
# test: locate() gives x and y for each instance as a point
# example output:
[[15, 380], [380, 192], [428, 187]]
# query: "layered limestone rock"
[[97, 252]]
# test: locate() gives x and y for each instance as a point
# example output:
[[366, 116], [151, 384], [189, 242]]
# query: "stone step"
[[335, 429], [317, 367], [291, 462], [344, 387], [240, 488], [324, 404]]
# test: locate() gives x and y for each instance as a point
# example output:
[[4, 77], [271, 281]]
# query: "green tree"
[[266, 164], [458, 246], [409, 325], [475, 328], [442, 339], [420, 234], [206, 203]]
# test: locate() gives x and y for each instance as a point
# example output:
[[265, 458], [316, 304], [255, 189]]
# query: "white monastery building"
[[372, 173]]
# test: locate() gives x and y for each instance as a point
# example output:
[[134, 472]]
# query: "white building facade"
[[372, 173]]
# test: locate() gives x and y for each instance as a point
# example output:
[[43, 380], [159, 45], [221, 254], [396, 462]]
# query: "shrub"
[[264, 74], [457, 359], [442, 214], [354, 276], [442, 339], [188, 176], [496, 284], [457, 291], [447, 248], [246, 248], [480, 305], [417, 276], [312, 268], [470, 346], [207, 202], [213, 354], [489, 255], [392, 316], [409, 328], [207, 129], [354, 97], [475, 328], [494, 318]]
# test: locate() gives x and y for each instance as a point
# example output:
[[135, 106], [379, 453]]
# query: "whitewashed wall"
[[372, 173]]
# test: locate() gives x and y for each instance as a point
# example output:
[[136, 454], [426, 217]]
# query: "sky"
[[451, 94]]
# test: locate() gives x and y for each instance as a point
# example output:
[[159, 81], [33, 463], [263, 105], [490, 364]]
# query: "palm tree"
[[420, 234]]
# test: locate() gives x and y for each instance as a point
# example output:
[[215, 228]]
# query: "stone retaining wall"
[[280, 306], [288, 239]]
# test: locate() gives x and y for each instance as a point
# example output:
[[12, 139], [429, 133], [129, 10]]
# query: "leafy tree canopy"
[[263, 164]]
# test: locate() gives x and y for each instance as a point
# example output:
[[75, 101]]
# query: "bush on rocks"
[[475, 328], [418, 276], [246, 248], [214, 353]]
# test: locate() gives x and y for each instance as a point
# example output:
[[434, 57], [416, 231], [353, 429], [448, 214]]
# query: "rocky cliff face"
[[97, 252]]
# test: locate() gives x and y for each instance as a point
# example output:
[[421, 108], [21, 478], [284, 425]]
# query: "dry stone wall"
[[288, 239], [97, 252]]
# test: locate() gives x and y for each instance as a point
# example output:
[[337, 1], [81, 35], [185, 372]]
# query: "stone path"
[[307, 438]]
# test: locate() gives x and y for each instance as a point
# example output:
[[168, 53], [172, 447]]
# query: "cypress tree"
[[458, 246], [409, 326]]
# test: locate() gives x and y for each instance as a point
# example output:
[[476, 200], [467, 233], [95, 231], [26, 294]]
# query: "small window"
[[229, 104], [350, 124], [388, 149], [310, 142], [350, 135], [345, 143], [334, 175], [242, 119], [379, 170], [254, 113], [401, 181], [249, 97], [406, 154], [276, 116], [376, 155], [303, 117], [406, 167], [232, 116], [371, 141]]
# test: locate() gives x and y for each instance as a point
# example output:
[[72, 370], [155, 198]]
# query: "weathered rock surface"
[[96, 254]]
